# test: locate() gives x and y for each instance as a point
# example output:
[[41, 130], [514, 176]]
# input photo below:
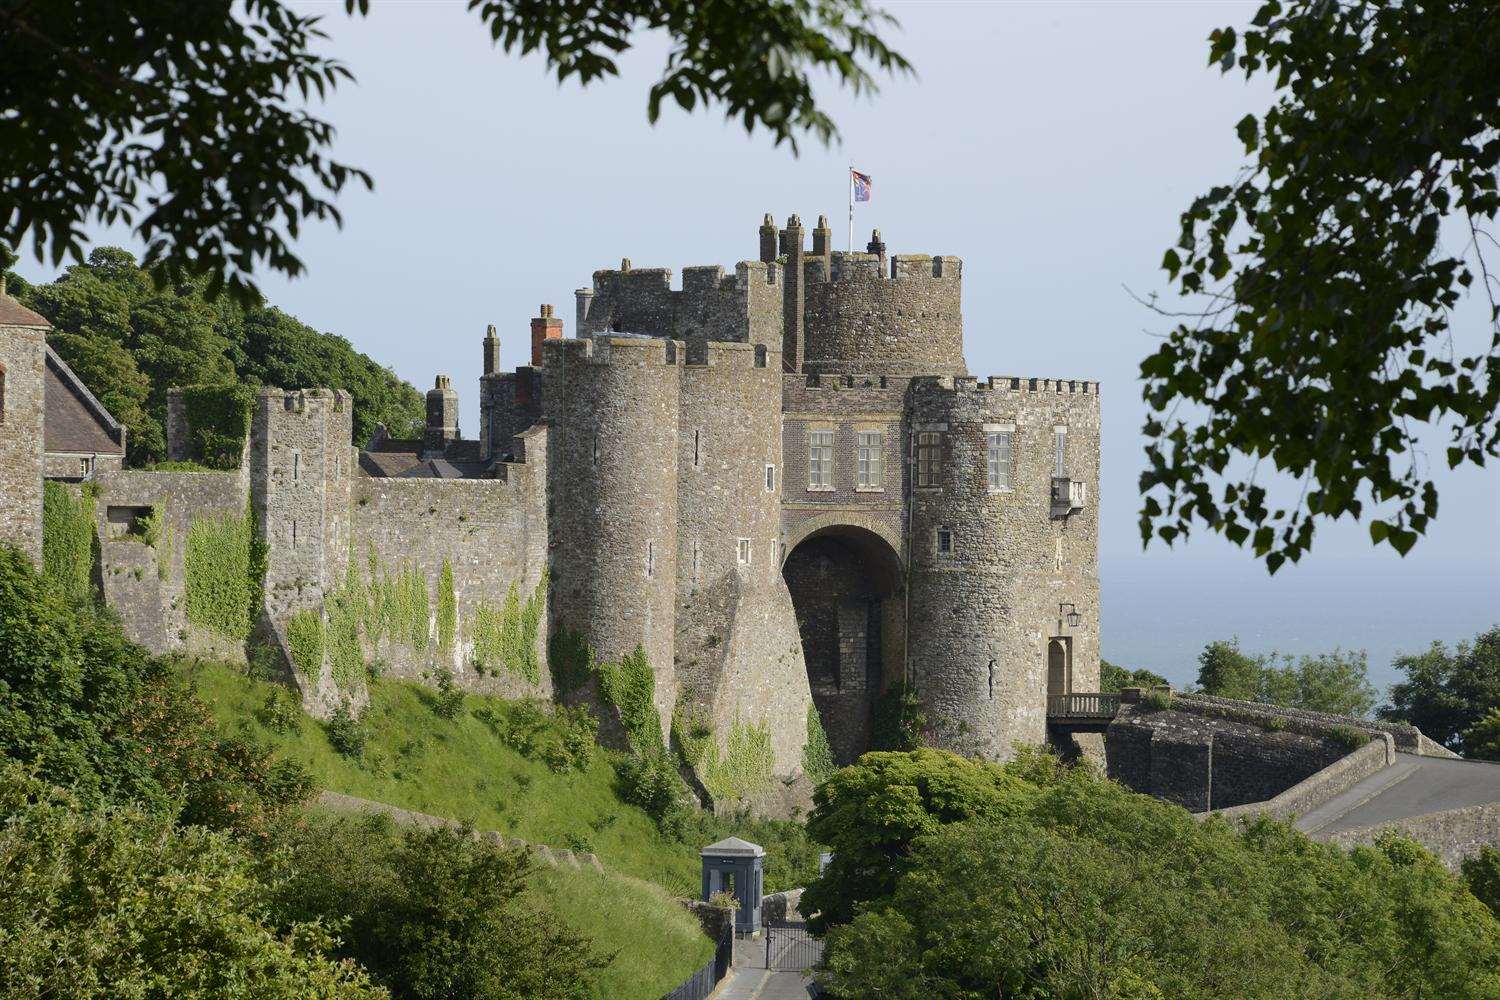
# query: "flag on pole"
[[863, 185]]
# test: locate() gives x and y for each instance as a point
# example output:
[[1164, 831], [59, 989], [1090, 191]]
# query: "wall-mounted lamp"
[[1069, 613]]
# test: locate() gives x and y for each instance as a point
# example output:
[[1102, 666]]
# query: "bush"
[[117, 903], [433, 913], [649, 780], [347, 734], [899, 721], [450, 697], [1349, 738], [1155, 701], [1482, 876], [280, 713]]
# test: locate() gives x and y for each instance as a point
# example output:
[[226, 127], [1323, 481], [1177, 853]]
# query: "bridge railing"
[[1083, 705]]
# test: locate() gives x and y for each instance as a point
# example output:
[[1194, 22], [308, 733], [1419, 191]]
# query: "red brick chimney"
[[544, 327]]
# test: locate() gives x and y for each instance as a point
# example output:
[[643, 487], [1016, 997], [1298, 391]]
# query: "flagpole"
[[850, 182]]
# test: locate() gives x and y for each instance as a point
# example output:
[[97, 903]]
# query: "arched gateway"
[[848, 588]]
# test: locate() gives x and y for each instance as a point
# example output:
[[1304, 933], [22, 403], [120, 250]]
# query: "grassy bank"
[[462, 769]]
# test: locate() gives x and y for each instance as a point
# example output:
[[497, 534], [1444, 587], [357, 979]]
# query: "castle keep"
[[780, 487]]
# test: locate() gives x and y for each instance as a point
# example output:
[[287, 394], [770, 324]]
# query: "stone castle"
[[782, 485]]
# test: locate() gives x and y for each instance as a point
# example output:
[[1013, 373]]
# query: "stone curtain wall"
[[1408, 739], [1453, 834], [146, 584], [1207, 762], [491, 533], [981, 616], [860, 320], [22, 365], [1312, 792], [509, 403]]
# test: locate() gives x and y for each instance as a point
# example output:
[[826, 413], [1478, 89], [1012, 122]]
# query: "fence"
[[701, 983], [1085, 705]]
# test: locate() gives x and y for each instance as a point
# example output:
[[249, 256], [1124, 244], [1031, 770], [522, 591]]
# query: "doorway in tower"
[[1059, 672], [846, 587]]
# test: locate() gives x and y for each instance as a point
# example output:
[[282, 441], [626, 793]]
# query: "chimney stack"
[[544, 327], [442, 416], [491, 350], [768, 240]]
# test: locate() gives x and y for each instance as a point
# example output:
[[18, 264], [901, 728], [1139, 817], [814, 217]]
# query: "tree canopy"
[[130, 342], [1335, 682], [188, 120], [1446, 694], [1322, 281], [1081, 888]]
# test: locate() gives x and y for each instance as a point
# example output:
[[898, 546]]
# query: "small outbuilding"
[[738, 867]]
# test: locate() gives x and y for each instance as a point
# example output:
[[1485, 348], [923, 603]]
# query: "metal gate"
[[790, 948]]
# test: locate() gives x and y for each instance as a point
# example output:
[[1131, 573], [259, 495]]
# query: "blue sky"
[[1051, 146]]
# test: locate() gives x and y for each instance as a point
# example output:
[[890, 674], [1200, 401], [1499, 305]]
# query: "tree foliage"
[[130, 342], [189, 120], [1334, 682], [432, 913], [83, 708], [115, 902], [1446, 693], [1113, 677], [1316, 340], [1080, 888]]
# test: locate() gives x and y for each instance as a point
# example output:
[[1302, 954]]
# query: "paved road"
[[758, 984], [1410, 787]]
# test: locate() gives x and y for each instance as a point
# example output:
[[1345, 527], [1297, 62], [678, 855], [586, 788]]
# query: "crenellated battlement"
[[724, 354], [842, 267], [827, 380], [617, 349], [1009, 383]]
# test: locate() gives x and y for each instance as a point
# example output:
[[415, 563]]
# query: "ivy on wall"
[[346, 658], [630, 686], [304, 636], [693, 734], [743, 767], [507, 635], [218, 418], [447, 610], [224, 563], [69, 539], [817, 755]]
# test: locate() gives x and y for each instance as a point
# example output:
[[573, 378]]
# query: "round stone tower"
[[859, 319], [612, 405], [996, 559], [739, 655]]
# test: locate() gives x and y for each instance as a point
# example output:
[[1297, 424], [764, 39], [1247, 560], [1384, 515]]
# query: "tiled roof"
[[76, 422], [396, 459], [12, 313]]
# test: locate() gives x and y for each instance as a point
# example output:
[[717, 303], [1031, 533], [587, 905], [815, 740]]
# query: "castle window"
[[695, 562], [2, 394], [296, 466], [929, 457], [744, 551], [650, 558], [1060, 449], [770, 479], [294, 532], [944, 540], [820, 460], [697, 449], [86, 466], [595, 455], [871, 460], [999, 460]]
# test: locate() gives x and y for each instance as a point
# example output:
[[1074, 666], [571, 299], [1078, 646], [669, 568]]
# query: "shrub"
[[347, 734], [817, 755], [899, 720], [449, 703], [630, 686], [218, 418], [1349, 738], [118, 903], [1155, 700], [280, 712], [434, 913], [1481, 874], [649, 780]]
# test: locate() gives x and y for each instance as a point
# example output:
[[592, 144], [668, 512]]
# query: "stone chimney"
[[822, 237], [768, 240], [491, 350], [544, 327], [877, 246], [442, 416]]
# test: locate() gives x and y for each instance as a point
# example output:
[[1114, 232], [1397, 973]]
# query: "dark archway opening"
[[846, 586]]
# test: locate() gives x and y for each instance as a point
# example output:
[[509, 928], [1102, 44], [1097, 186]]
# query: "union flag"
[[863, 185]]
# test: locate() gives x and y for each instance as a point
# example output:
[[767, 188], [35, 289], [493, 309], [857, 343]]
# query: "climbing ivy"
[[164, 550], [508, 634], [68, 539], [223, 566], [817, 755], [630, 686], [447, 610], [745, 765], [346, 659], [304, 635], [693, 735], [218, 418], [398, 607]]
